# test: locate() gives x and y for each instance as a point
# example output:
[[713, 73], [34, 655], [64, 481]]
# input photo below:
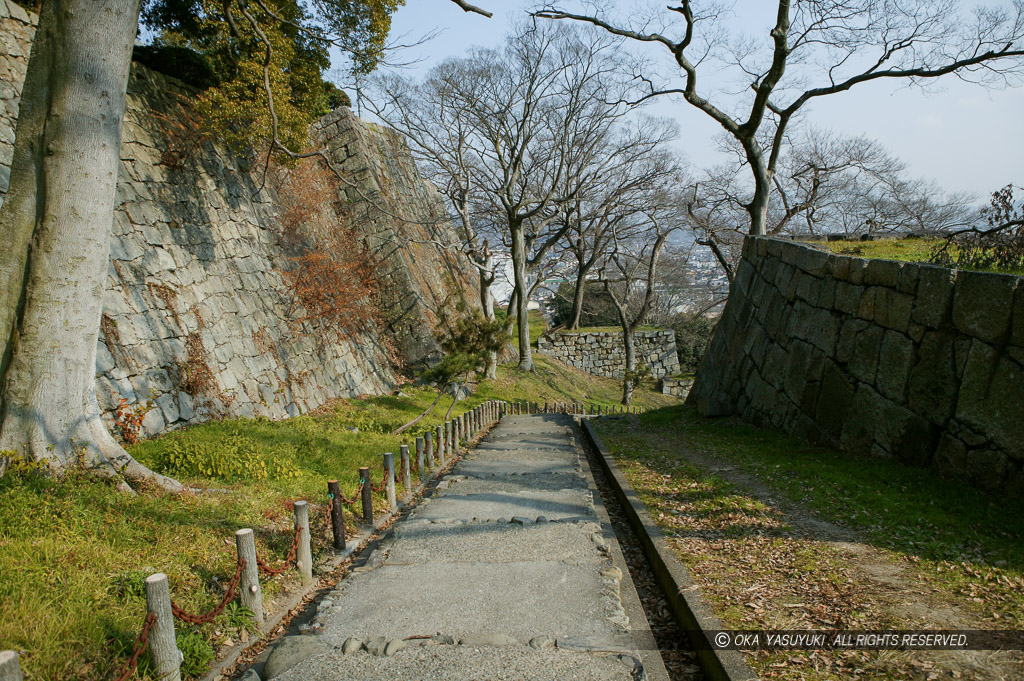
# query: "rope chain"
[[288, 559], [141, 643], [213, 614]]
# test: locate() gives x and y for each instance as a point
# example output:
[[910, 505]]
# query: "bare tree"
[[612, 189], [814, 49], [629, 268], [514, 130]]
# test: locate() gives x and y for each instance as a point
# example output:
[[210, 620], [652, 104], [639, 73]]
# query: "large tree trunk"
[[56, 226], [577, 298], [627, 380], [758, 206], [522, 297]]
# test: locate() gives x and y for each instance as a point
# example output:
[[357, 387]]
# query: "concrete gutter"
[[689, 608]]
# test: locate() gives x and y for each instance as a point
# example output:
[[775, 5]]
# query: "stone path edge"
[[653, 665], [688, 606]]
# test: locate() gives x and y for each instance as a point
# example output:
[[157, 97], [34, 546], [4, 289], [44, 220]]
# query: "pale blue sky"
[[962, 136]]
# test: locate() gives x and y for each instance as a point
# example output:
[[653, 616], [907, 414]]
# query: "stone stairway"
[[508, 571]]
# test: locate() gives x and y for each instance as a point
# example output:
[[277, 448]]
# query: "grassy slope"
[[73, 553], [953, 540]]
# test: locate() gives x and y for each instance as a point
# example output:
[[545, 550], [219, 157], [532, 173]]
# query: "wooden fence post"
[[249, 591], [337, 516], [441, 439], [10, 666], [406, 473], [367, 493], [389, 465], [428, 451], [303, 554], [162, 645], [419, 460], [448, 439]]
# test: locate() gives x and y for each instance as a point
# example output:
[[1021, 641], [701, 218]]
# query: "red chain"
[[288, 559], [141, 643], [213, 614]]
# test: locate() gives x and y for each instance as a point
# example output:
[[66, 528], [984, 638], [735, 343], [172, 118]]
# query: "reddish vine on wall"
[[332, 274]]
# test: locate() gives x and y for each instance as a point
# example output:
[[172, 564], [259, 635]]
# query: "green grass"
[[74, 552], [914, 249], [960, 539], [943, 544], [537, 328], [906, 250]]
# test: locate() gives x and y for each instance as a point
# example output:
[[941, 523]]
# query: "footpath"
[[507, 570]]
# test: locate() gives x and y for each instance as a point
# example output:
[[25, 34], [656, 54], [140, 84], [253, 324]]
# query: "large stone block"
[[990, 398], [895, 360], [934, 383], [983, 305], [882, 273], [834, 400]]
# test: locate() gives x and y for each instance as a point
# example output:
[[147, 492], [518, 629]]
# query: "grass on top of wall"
[[74, 552], [911, 249]]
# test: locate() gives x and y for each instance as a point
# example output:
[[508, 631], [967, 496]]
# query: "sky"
[[962, 136]]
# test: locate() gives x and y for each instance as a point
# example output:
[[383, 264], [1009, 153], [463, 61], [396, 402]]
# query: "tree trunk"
[[522, 297], [577, 299], [56, 225], [758, 206], [627, 381], [487, 303]]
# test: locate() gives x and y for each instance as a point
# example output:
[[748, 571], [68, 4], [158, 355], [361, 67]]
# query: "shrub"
[[999, 248], [693, 333], [237, 457], [333, 275]]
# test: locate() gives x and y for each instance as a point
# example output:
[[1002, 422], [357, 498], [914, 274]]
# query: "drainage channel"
[[676, 652]]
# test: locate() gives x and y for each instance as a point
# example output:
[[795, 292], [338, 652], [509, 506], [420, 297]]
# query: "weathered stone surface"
[[290, 651], [602, 353], [982, 305], [915, 362], [195, 288]]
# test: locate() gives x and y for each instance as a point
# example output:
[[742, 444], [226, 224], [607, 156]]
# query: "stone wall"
[[680, 387], [197, 316], [601, 352], [912, 361]]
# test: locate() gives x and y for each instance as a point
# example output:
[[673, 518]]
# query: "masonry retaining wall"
[[196, 313], [913, 361], [601, 352]]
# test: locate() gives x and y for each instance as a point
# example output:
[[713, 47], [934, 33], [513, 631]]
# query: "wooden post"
[[428, 453], [303, 554], [162, 644], [448, 440], [406, 473], [455, 437], [10, 666], [389, 465], [249, 591], [441, 439], [419, 459], [337, 516], [366, 489]]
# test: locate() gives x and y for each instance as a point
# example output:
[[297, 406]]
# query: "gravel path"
[[498, 575]]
